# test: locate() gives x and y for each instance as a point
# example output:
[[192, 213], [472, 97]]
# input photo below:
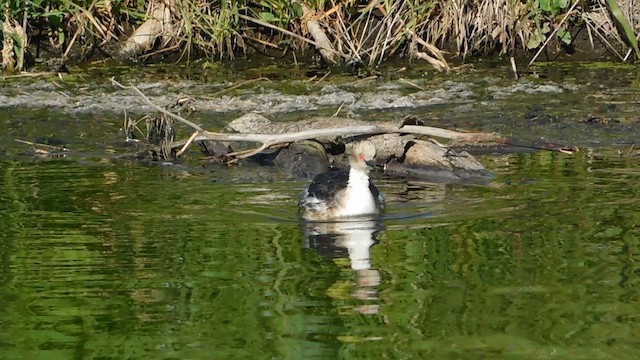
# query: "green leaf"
[[267, 16], [536, 39], [297, 9], [610, 232], [628, 30], [545, 5], [52, 14], [545, 28], [564, 36], [553, 6], [266, 4]]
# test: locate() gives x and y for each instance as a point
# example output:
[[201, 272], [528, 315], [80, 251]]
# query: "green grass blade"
[[628, 31]]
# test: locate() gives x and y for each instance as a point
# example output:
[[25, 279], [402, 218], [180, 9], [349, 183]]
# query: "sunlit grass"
[[367, 32]]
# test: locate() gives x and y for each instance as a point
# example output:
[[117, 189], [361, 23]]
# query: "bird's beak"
[[371, 163]]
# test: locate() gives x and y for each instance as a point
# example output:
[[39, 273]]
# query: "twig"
[[73, 40], [446, 134], [631, 149], [263, 42], [330, 11], [338, 111], [164, 111], [433, 61], [285, 31], [372, 77], [411, 83], [268, 140], [160, 51], [186, 145], [240, 84], [273, 139], [315, 30], [248, 153], [439, 58], [27, 75], [57, 148], [514, 69], [553, 33], [538, 145], [323, 77]]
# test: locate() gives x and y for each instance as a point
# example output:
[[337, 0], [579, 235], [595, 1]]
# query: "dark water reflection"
[[103, 260]]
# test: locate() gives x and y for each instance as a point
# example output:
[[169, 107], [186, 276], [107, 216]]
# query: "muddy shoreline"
[[581, 104], [351, 94]]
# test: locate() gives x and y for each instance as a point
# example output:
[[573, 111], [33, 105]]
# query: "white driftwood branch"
[[315, 30], [436, 59], [285, 31], [147, 33], [268, 140]]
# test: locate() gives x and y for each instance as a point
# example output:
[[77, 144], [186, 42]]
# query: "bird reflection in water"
[[353, 239]]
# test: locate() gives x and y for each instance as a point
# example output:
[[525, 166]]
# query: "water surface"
[[112, 260], [106, 258]]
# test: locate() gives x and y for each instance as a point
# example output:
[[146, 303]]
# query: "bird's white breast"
[[358, 199]]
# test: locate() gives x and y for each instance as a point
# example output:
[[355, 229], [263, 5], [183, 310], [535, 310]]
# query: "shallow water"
[[108, 258]]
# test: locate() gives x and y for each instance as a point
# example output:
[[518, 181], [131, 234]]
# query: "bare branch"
[[285, 31], [270, 140], [160, 109], [186, 145], [349, 131]]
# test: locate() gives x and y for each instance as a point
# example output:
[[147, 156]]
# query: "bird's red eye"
[[361, 156]]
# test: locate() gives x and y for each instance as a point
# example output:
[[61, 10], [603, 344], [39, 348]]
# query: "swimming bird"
[[338, 194]]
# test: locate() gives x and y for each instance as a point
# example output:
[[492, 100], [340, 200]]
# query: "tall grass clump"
[[56, 26], [349, 31], [210, 27]]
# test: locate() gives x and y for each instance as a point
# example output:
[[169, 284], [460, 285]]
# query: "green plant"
[[279, 12], [209, 27], [544, 14], [61, 18]]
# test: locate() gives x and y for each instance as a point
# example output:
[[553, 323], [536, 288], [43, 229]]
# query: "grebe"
[[337, 194]]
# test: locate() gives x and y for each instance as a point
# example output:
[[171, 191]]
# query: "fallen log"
[[279, 139]]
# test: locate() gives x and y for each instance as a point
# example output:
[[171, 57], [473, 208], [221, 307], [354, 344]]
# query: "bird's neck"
[[358, 178]]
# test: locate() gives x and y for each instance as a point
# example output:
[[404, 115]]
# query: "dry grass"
[[602, 28], [366, 32], [484, 26]]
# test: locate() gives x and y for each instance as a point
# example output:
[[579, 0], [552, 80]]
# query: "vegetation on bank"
[[349, 32]]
